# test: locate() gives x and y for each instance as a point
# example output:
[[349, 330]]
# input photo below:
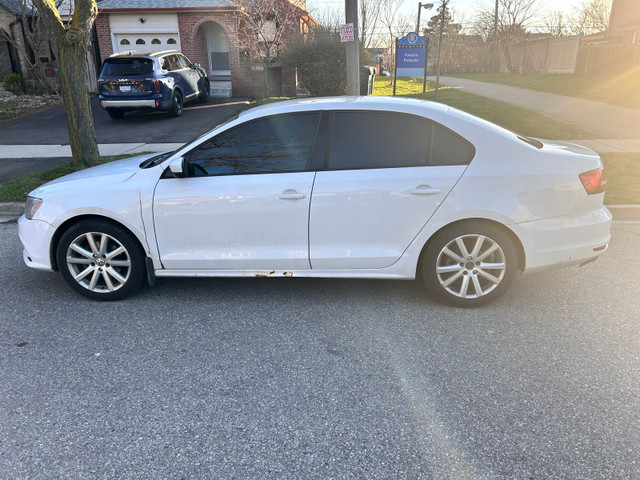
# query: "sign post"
[[411, 58]]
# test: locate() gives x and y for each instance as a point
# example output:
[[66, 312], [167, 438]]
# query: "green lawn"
[[518, 119], [619, 90], [623, 178], [16, 190]]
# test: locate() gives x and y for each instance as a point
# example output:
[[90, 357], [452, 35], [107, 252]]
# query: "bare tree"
[[369, 12], [267, 25], [512, 18], [592, 16], [30, 40], [388, 15], [555, 22], [71, 41]]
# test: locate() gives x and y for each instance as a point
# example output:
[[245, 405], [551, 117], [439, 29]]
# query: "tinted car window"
[[269, 145], [386, 140], [122, 67]]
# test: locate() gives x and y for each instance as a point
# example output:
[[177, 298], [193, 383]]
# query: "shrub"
[[320, 60], [14, 83]]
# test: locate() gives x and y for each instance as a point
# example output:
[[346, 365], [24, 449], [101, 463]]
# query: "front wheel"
[[205, 94], [101, 260], [470, 264]]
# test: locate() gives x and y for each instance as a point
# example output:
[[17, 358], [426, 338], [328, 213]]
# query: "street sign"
[[411, 58], [346, 32]]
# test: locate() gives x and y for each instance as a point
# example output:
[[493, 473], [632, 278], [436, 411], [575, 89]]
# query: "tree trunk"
[[72, 75], [71, 43]]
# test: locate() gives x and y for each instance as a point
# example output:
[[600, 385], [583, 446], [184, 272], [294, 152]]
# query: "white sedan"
[[333, 187]]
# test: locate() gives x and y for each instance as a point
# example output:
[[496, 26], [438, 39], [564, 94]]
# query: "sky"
[[462, 9]]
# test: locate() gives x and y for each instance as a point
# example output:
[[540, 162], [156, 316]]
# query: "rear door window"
[[370, 139], [127, 67]]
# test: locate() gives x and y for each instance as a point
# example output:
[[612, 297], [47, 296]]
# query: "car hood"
[[105, 174]]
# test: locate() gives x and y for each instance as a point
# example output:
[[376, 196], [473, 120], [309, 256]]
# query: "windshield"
[[123, 67]]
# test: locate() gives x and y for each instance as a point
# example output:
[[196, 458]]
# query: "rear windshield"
[[122, 67]]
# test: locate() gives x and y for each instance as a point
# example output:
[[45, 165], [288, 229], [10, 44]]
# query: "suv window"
[[387, 139], [268, 145], [122, 67]]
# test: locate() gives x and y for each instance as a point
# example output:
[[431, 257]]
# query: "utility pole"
[[443, 7], [353, 49]]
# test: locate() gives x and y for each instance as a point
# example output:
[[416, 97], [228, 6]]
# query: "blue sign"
[[411, 55]]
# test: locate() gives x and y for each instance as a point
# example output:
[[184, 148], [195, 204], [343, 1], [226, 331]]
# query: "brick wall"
[[103, 30]]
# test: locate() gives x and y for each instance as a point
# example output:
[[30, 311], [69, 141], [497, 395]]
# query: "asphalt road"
[[293, 378], [50, 127]]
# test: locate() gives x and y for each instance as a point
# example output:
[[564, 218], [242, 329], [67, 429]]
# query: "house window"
[[124, 41], [171, 41], [156, 41], [140, 41]]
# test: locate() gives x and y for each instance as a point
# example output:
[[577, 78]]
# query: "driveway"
[[318, 378], [50, 127]]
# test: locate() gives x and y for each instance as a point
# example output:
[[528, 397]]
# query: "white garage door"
[[147, 41]]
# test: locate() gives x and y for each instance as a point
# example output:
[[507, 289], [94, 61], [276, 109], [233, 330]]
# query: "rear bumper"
[[566, 240], [128, 104]]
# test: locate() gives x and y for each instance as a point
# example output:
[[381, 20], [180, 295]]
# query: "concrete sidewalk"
[[64, 151], [599, 120]]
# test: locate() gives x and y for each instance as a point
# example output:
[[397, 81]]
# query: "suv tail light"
[[594, 181], [156, 84]]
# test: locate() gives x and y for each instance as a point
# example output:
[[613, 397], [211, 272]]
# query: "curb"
[[621, 213]]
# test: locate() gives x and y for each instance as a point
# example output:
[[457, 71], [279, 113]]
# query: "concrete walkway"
[[64, 151], [599, 120]]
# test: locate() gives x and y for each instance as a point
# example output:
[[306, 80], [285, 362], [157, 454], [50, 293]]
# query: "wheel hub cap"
[[471, 266]]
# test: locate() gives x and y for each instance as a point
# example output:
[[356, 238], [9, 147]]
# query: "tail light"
[[156, 84], [594, 181]]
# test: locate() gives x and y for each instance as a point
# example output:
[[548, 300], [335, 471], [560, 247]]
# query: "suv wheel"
[[176, 105], [204, 95]]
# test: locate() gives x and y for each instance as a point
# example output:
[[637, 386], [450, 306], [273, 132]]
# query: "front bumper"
[[566, 240], [36, 237]]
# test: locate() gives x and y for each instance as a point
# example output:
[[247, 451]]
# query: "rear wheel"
[[115, 114], [469, 264], [101, 260], [176, 105]]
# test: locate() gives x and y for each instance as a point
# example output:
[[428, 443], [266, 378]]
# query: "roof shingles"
[[162, 4]]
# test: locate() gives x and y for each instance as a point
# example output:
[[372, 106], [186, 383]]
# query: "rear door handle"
[[291, 195], [425, 190]]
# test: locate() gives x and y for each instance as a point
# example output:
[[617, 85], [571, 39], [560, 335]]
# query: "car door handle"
[[425, 190], [291, 195]]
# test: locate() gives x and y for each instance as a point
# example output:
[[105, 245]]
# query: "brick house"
[[206, 31]]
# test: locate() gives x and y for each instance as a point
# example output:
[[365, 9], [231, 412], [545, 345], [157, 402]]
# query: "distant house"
[[15, 17], [206, 31], [624, 22]]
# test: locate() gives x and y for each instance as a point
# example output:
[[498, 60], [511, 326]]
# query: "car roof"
[[398, 104], [142, 53]]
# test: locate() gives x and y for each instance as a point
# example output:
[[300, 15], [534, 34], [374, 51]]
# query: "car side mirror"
[[178, 167], [196, 65]]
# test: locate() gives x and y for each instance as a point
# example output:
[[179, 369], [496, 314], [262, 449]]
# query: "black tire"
[[101, 260], [115, 114], [176, 104], [206, 93], [469, 264]]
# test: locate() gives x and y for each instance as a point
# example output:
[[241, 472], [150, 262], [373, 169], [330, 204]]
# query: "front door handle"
[[291, 195], [425, 190]]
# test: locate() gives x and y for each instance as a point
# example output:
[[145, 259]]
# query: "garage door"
[[155, 42]]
